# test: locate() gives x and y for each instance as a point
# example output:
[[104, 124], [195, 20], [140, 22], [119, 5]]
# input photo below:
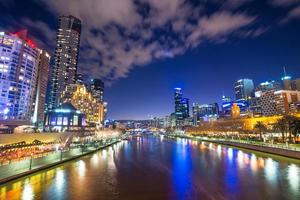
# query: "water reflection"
[[182, 167], [230, 154], [294, 176], [271, 170], [81, 168], [164, 169], [27, 193]]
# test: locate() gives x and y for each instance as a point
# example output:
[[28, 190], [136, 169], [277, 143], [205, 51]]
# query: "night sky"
[[142, 49]]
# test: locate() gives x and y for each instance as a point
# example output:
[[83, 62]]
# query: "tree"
[[261, 127], [281, 127], [293, 124]]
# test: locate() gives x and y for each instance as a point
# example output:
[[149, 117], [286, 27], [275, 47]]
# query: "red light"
[[30, 43]]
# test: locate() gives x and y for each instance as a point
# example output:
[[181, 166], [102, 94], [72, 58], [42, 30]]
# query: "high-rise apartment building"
[[41, 87], [65, 57], [244, 89], [19, 61]]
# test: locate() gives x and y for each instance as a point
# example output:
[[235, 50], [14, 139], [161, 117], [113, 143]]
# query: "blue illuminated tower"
[[178, 105]]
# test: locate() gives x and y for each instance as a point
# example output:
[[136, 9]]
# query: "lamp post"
[[30, 162]]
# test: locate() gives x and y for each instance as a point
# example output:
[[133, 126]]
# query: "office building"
[[255, 102], [267, 86], [65, 57], [185, 106], [97, 89], [178, 105], [244, 89], [279, 102], [286, 100], [287, 82], [295, 84], [19, 61], [205, 112]]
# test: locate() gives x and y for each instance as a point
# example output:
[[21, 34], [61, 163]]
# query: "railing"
[[250, 142], [15, 167]]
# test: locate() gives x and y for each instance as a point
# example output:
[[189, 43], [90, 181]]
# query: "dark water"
[[158, 168]]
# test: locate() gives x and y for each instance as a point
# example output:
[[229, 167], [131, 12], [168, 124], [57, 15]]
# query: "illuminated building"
[[286, 83], [205, 112], [181, 107], [178, 105], [255, 102], [267, 103], [185, 106], [97, 89], [242, 104], [41, 87], [64, 117], [235, 111], [279, 102], [65, 57], [244, 89], [246, 124], [79, 79], [19, 61], [285, 100], [296, 84], [81, 99], [267, 86]]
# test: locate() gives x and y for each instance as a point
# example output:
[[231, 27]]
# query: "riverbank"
[[286, 152], [17, 170]]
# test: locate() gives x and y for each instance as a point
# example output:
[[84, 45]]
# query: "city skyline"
[[204, 71]]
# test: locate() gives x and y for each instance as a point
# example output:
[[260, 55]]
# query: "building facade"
[[41, 87], [97, 89], [244, 89], [19, 61], [82, 99], [279, 102], [178, 105], [65, 57], [205, 112]]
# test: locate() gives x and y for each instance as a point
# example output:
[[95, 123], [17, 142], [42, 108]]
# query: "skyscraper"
[[178, 105], [41, 87], [267, 86], [244, 89], [19, 61], [65, 57], [185, 107], [97, 89]]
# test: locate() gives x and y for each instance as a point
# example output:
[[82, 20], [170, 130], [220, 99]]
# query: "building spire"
[[284, 71]]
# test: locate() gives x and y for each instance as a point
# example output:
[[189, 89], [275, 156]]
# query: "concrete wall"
[[277, 151]]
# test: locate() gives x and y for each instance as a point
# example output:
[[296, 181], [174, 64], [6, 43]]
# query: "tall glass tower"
[[178, 104], [65, 57], [244, 89]]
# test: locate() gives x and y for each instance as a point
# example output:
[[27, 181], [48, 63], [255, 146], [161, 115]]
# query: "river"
[[159, 168]]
